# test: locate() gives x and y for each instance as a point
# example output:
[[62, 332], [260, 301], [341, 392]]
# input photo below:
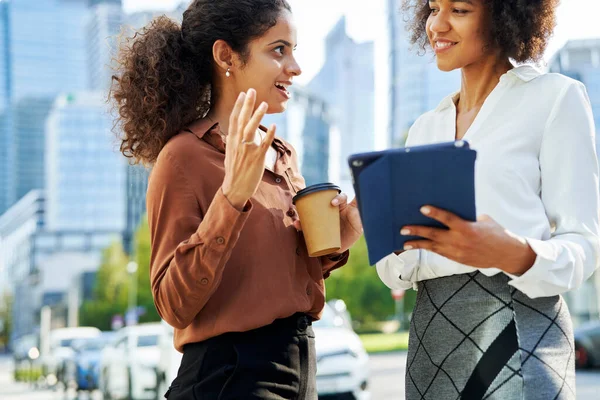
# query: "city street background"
[[387, 382], [74, 237]]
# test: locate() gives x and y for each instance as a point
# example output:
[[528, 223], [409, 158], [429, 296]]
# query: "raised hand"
[[245, 159]]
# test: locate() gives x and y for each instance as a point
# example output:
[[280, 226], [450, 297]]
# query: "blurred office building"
[[409, 81], [347, 84], [580, 59], [306, 124]]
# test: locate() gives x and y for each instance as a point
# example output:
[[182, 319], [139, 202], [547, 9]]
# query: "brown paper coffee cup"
[[320, 220]]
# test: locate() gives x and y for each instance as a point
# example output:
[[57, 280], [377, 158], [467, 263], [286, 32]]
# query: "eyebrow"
[[285, 42]]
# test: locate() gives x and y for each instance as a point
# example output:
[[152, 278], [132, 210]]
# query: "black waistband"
[[294, 325]]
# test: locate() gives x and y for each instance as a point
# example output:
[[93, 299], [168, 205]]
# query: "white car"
[[169, 362], [53, 364], [129, 370], [342, 362]]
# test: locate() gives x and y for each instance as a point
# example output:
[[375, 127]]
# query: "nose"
[[439, 23], [293, 68]]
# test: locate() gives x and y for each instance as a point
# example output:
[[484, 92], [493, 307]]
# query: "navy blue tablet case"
[[391, 186]]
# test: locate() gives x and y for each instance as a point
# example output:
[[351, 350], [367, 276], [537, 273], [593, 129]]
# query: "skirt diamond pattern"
[[476, 337]]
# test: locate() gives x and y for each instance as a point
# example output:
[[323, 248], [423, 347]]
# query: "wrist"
[[237, 201], [523, 260]]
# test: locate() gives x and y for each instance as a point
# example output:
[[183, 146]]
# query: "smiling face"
[[271, 65], [457, 33]]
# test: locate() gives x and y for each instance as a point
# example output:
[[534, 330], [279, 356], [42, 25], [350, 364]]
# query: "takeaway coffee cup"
[[320, 220]]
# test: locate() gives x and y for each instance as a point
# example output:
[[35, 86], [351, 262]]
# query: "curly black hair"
[[165, 71], [520, 29]]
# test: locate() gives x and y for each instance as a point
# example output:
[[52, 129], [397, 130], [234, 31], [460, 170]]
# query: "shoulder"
[[183, 153], [185, 147], [549, 86]]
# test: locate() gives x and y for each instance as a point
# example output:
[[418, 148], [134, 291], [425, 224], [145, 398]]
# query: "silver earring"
[[228, 74]]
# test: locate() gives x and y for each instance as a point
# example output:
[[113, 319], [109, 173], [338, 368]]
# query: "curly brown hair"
[[165, 71], [520, 29]]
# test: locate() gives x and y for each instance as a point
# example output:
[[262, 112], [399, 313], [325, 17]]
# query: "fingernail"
[[241, 96], [251, 92], [408, 247], [426, 210], [405, 231], [263, 106], [335, 202]]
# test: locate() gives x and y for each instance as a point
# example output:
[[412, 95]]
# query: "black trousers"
[[275, 362]]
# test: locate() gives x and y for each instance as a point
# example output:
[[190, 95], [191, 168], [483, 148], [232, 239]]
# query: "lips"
[[443, 45], [283, 88]]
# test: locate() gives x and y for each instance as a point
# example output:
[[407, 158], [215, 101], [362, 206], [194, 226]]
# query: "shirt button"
[[204, 281], [298, 250], [278, 180], [291, 212], [308, 291], [220, 240]]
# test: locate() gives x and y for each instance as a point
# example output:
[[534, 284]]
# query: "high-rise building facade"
[[347, 84], [306, 124], [414, 83], [103, 26], [85, 174], [580, 59], [42, 53]]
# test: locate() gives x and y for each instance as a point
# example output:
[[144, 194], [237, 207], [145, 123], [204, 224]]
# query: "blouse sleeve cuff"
[[223, 222], [399, 271], [539, 280]]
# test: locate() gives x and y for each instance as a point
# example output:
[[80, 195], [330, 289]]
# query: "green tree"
[[142, 258], [110, 290], [6, 306], [358, 284]]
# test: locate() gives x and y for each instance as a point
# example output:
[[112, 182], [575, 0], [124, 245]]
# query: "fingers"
[[422, 244], [425, 232], [445, 217], [340, 200], [252, 126], [235, 114], [245, 114], [298, 225], [269, 137]]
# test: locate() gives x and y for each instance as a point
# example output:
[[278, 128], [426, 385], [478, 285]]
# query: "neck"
[[478, 81], [221, 108]]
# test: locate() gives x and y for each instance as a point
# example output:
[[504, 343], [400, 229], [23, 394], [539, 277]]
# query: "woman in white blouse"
[[489, 320]]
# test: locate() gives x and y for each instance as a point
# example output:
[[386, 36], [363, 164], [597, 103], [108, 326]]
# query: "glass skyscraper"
[[415, 84], [85, 174], [306, 124], [580, 59], [42, 53], [347, 84]]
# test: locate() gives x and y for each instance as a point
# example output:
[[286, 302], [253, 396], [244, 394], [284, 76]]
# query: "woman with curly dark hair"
[[230, 270], [489, 321]]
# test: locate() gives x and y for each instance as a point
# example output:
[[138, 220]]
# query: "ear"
[[225, 57]]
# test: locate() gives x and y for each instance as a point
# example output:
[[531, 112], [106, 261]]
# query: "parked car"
[[53, 364], [81, 369], [169, 361], [131, 366], [342, 362], [587, 345]]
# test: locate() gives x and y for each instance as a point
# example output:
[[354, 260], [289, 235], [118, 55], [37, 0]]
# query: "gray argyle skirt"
[[476, 337]]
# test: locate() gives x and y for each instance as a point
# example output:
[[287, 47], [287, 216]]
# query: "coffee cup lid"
[[315, 188]]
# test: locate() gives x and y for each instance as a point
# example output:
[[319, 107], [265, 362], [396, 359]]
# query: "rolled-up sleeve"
[[569, 170], [190, 246], [400, 271]]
